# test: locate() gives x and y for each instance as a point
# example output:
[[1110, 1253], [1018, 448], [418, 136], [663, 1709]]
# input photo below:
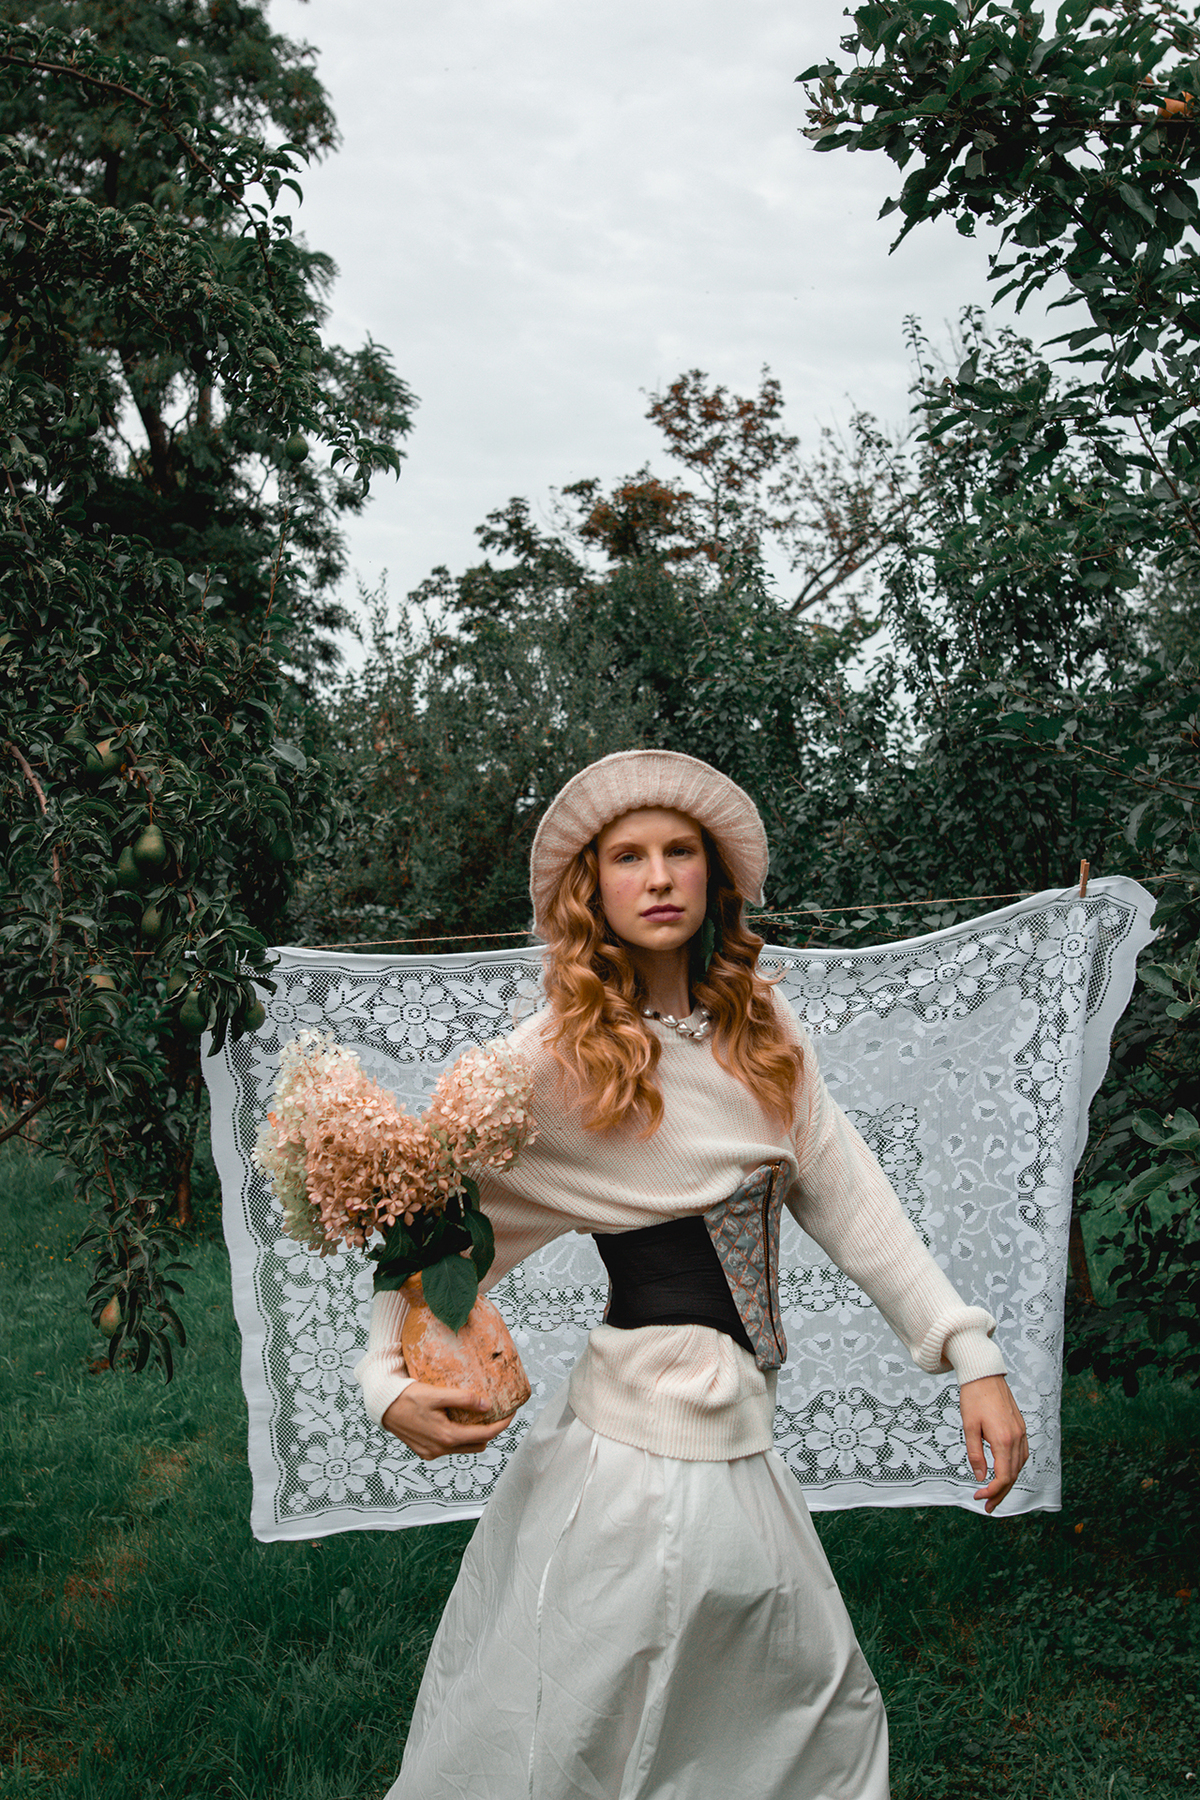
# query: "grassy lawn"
[[150, 1646]]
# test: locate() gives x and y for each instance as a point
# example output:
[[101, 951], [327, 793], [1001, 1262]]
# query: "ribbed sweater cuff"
[[951, 1321], [972, 1355], [381, 1372]]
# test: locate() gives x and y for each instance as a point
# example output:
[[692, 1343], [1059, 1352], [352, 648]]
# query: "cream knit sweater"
[[688, 1390]]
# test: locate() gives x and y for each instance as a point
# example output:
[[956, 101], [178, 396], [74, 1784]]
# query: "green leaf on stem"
[[483, 1242], [451, 1290]]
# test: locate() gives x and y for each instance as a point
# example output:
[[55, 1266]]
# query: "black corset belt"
[[668, 1274]]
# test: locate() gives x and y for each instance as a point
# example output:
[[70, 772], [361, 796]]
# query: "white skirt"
[[628, 1626]]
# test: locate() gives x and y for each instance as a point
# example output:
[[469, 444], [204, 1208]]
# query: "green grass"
[[150, 1647], [1051, 1656]]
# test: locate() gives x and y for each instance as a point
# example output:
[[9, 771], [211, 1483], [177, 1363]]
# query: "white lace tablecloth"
[[967, 1058]]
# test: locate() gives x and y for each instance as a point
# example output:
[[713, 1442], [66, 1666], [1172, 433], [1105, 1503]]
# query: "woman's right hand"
[[418, 1418]]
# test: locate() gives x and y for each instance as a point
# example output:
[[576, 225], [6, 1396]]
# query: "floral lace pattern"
[[966, 1058]]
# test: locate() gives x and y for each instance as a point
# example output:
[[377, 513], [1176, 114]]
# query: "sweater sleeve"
[[844, 1201], [380, 1371]]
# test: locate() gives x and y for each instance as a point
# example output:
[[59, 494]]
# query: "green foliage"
[[1083, 146], [156, 760], [451, 1288], [771, 703], [1165, 1242], [432, 1245], [503, 681], [1060, 488], [162, 348]]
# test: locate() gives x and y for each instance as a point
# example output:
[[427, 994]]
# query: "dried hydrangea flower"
[[346, 1160]]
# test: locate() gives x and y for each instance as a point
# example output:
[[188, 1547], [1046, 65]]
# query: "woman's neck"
[[664, 976]]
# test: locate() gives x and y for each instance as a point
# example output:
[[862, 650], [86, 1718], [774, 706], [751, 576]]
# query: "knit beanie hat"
[[618, 784]]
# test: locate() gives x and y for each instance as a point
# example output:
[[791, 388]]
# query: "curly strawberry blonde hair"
[[599, 1037]]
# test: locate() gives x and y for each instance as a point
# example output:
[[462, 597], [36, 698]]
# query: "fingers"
[[476, 1437], [991, 1416], [418, 1418], [458, 1434], [442, 1397], [1010, 1452], [975, 1456]]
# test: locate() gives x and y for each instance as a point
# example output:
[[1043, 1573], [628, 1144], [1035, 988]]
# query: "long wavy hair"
[[599, 1037]]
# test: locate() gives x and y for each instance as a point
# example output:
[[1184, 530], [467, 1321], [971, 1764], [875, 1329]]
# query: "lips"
[[664, 912]]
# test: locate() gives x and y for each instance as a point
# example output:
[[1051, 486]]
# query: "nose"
[[658, 875]]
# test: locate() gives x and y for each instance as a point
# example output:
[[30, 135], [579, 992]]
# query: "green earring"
[[710, 941]]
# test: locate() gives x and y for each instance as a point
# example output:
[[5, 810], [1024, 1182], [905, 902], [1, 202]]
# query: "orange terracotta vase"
[[481, 1357]]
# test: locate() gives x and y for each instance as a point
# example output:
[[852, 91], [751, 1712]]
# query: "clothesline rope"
[[803, 912], [447, 937]]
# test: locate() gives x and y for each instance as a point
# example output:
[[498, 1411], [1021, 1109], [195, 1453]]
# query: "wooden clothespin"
[[1085, 869]]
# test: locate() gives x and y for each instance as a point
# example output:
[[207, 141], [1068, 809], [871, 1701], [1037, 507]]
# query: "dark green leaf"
[[451, 1288], [483, 1243]]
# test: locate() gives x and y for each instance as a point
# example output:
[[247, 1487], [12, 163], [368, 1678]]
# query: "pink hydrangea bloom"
[[481, 1107], [346, 1160]]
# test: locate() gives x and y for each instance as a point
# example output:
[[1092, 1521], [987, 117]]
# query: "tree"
[[734, 449], [1083, 148], [829, 515], [452, 741], [641, 616], [528, 665], [460, 730], [159, 441], [156, 762], [772, 704]]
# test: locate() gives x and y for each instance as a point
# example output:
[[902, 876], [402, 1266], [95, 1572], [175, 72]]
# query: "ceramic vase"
[[481, 1357]]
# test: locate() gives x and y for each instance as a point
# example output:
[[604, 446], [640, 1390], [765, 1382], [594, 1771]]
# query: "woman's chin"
[[663, 941]]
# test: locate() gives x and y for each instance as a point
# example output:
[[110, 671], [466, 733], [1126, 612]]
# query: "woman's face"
[[653, 878]]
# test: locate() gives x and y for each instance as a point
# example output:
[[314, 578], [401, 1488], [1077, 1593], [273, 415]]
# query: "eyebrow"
[[691, 838]]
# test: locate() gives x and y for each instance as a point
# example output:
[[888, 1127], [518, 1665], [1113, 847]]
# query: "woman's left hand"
[[991, 1415]]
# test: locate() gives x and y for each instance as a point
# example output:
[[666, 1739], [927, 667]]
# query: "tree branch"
[[119, 89], [24, 218], [127, 93], [24, 1118], [34, 783]]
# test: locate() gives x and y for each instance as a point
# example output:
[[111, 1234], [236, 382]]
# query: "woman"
[[645, 1611]]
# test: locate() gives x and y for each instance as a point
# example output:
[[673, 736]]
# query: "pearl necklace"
[[691, 1027]]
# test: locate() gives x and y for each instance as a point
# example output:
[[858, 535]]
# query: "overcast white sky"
[[546, 209]]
